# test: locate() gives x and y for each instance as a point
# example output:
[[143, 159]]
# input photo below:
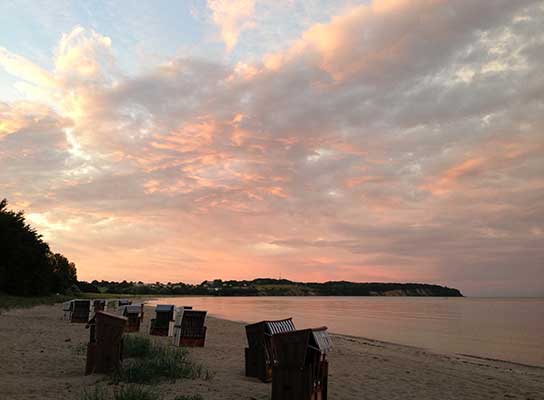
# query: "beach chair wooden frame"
[[300, 367], [191, 330], [80, 311], [258, 353], [164, 316], [105, 348]]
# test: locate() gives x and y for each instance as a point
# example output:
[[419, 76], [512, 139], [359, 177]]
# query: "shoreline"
[[44, 358]]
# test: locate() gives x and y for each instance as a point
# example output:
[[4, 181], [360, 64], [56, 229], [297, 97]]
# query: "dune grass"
[[133, 392], [149, 363], [9, 301], [136, 346], [128, 392]]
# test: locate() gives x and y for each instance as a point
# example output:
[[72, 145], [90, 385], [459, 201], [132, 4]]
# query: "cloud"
[[399, 141], [232, 17]]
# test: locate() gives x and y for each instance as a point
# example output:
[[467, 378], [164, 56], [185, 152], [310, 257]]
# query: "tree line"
[[28, 267]]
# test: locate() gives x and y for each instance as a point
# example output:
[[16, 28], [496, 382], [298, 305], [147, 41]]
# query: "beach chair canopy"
[[124, 302], [256, 332], [289, 349], [164, 308], [321, 340], [280, 326], [132, 309], [81, 304]]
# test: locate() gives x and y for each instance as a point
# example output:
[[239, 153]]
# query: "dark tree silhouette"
[[27, 266]]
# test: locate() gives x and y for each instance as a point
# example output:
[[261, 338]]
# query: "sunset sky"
[[387, 140]]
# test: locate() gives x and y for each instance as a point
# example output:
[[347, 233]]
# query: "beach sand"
[[43, 357]]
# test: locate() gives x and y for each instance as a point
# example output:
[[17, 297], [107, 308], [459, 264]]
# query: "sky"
[[384, 140]]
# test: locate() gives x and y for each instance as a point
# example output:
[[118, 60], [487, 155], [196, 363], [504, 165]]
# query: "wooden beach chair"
[[189, 329], [164, 315], [67, 310], [80, 311], [99, 305], [133, 313], [258, 353], [104, 351], [300, 367]]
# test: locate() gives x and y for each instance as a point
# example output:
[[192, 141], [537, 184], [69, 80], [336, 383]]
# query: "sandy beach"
[[43, 357]]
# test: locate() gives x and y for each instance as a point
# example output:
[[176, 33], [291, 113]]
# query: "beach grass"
[[148, 363], [128, 392], [133, 392], [9, 301], [136, 346]]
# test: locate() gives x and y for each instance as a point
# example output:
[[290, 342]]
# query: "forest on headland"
[[28, 267]]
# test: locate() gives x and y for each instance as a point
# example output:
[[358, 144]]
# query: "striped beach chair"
[[190, 329], [258, 353]]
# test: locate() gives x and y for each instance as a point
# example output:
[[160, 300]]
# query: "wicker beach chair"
[[258, 353], [80, 311], [133, 314], [99, 305], [67, 310], [164, 316], [300, 367], [104, 351], [189, 329]]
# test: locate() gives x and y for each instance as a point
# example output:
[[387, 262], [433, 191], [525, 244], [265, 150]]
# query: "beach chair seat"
[[258, 353], [164, 318], [190, 329], [300, 368]]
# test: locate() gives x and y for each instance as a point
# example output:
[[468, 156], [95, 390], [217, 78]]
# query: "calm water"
[[506, 329]]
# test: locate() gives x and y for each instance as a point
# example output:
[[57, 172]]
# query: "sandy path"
[[43, 357]]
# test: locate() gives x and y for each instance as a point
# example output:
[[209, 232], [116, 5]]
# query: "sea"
[[510, 329]]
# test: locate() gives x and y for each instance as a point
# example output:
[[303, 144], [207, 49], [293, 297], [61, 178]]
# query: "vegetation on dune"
[[128, 392], [149, 363], [133, 392]]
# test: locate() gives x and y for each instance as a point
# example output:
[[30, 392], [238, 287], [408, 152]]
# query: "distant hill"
[[272, 287]]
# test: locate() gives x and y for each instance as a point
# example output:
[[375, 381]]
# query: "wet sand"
[[43, 357]]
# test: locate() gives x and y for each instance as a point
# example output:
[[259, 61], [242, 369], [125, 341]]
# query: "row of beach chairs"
[[295, 361], [104, 351]]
